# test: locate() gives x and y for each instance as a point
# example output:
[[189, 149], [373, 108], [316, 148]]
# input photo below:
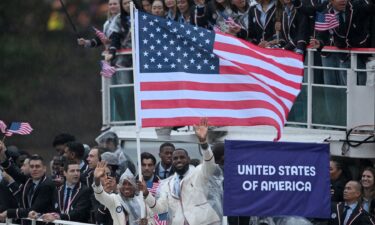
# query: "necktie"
[[30, 193], [344, 214], [165, 174], [67, 198], [177, 186], [342, 17]]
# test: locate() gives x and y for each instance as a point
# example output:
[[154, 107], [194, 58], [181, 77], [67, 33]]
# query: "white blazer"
[[114, 203], [192, 206]]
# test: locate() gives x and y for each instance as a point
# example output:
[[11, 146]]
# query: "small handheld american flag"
[[326, 21], [107, 69], [100, 35], [20, 128]]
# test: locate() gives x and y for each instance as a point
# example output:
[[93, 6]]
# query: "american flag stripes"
[[100, 35], [186, 72], [326, 21], [3, 126], [107, 69], [19, 128], [153, 190]]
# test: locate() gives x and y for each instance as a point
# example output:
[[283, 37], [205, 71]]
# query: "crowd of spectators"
[[97, 185], [107, 176], [275, 24], [286, 24]]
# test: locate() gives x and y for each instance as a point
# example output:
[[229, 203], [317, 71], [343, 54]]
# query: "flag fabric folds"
[[186, 72], [326, 21], [100, 35], [107, 69], [19, 128], [3, 126]]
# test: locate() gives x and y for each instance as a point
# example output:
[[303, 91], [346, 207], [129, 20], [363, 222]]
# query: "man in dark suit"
[[35, 192], [71, 201], [164, 168], [74, 151], [350, 212], [92, 159]]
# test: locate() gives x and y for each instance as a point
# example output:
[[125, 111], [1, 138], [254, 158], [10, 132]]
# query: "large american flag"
[[19, 128], [325, 21], [186, 72]]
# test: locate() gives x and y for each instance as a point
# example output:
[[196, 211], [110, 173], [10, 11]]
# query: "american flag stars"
[[172, 47]]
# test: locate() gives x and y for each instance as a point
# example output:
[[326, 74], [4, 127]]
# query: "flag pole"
[[136, 103], [69, 18]]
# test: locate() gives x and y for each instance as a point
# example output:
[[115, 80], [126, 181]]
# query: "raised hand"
[[201, 130], [100, 169]]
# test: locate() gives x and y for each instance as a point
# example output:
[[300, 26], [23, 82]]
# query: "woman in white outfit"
[[125, 207]]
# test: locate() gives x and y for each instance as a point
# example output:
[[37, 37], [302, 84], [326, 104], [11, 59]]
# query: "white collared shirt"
[[350, 211], [263, 15]]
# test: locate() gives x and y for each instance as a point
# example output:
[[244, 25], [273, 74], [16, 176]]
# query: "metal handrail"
[[33, 222]]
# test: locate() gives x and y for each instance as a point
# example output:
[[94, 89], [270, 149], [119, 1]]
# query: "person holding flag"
[[349, 33], [102, 38], [125, 207], [21, 128], [184, 195], [342, 27], [36, 192]]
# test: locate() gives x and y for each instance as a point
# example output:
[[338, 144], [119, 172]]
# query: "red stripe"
[[268, 73], [249, 52], [198, 86], [279, 92], [213, 121], [210, 104], [274, 52], [186, 85]]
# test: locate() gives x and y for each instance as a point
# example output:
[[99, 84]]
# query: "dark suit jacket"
[[294, 33], [87, 177], [157, 171], [7, 200], [103, 216], [41, 201], [256, 32], [79, 209], [358, 217], [353, 33]]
